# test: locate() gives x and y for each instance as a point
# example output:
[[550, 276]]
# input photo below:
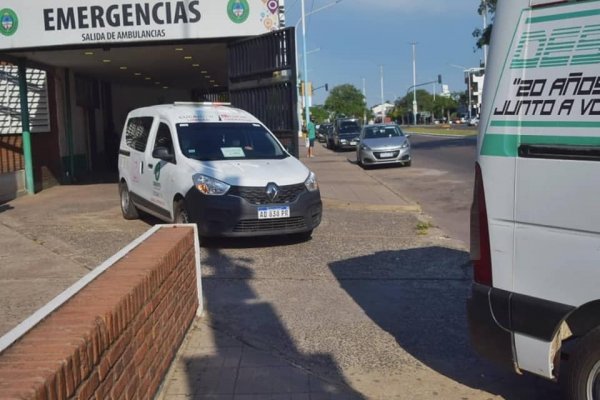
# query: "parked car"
[[323, 132], [474, 121], [216, 166], [383, 144], [345, 134]]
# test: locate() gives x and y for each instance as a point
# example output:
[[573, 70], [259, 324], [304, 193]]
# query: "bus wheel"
[[582, 374]]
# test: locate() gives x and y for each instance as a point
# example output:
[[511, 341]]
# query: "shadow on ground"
[[5, 207], [418, 296], [444, 143], [243, 364]]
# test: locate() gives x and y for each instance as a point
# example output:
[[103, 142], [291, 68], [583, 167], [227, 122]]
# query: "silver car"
[[383, 144]]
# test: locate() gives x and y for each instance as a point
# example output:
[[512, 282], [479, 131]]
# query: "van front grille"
[[264, 225], [257, 195]]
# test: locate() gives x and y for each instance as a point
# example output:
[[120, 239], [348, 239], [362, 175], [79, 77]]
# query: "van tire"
[[582, 371], [181, 215], [127, 207]]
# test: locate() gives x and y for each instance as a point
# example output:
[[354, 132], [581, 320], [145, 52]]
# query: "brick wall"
[[116, 338]]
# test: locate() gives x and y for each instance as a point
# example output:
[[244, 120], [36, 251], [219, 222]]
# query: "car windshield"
[[228, 141], [375, 132], [349, 127]]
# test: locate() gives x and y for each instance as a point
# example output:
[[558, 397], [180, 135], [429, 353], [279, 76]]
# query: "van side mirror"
[[162, 153], [407, 135]]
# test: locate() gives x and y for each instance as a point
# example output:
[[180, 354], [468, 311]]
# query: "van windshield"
[[228, 141]]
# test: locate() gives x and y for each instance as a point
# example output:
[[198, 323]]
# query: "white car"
[[216, 166]]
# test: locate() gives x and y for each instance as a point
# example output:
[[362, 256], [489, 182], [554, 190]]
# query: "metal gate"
[[262, 81]]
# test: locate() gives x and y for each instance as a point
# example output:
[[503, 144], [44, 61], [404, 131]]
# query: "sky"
[[350, 40]]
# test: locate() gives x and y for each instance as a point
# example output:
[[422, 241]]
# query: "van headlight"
[[210, 186], [311, 182], [405, 145]]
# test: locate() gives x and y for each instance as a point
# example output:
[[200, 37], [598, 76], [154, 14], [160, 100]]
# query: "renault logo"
[[272, 191]]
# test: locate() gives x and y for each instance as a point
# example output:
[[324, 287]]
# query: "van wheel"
[[408, 163], [127, 207], [582, 373], [181, 214]]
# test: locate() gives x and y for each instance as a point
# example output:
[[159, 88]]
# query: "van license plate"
[[386, 155], [273, 212]]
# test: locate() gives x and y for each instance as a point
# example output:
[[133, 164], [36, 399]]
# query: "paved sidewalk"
[[48, 241], [347, 184], [211, 365]]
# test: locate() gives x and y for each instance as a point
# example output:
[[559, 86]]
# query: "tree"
[[483, 35], [347, 100], [319, 113], [441, 106]]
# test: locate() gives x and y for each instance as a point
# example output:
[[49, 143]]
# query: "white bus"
[[535, 224]]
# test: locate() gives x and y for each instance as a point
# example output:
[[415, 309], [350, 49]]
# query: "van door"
[[555, 116], [132, 153], [157, 179]]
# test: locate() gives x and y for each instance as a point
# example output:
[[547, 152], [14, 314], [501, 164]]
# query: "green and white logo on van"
[[157, 172], [549, 90], [9, 22], [558, 46], [238, 11]]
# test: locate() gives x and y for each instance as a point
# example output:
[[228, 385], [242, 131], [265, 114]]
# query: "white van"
[[535, 224], [216, 166]]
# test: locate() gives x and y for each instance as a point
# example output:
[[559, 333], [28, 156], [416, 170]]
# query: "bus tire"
[[582, 370]]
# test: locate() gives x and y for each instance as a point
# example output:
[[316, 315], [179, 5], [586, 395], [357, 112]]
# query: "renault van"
[[216, 166], [535, 223]]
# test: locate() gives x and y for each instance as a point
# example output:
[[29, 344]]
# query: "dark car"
[[324, 131], [346, 132]]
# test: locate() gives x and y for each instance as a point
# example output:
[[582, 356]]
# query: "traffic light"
[[327, 87], [440, 79]]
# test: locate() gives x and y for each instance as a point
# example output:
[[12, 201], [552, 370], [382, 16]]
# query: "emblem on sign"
[[273, 6], [238, 10], [272, 191], [9, 22]]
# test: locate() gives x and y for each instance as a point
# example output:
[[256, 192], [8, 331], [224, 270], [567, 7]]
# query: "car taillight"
[[480, 234]]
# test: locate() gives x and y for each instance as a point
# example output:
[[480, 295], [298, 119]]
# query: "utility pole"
[[415, 108], [382, 100], [364, 82], [306, 106]]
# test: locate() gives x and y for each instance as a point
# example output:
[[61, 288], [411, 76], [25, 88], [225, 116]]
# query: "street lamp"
[[415, 108], [304, 58]]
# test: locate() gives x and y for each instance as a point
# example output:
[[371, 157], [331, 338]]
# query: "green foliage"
[[319, 113], [441, 106], [483, 35], [347, 100]]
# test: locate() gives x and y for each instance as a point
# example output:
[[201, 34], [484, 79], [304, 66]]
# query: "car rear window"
[[374, 132], [228, 141]]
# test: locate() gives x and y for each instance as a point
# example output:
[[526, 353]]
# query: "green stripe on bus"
[[508, 145], [558, 17], [546, 124]]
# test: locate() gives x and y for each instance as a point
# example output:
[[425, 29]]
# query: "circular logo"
[[238, 10], [9, 22]]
